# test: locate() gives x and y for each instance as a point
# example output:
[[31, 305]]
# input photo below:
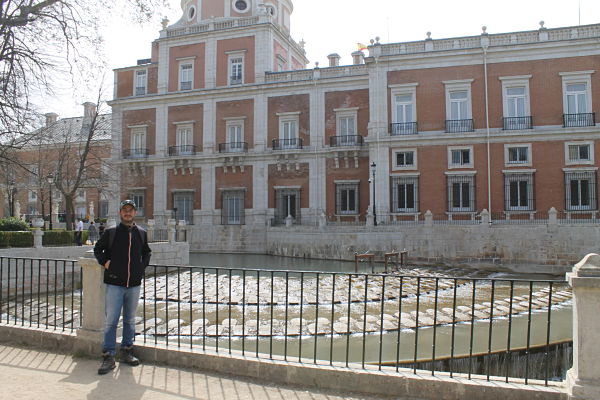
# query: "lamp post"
[[50, 180], [11, 196], [373, 167]]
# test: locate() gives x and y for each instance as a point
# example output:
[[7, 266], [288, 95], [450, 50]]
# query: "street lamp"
[[12, 189], [50, 180], [373, 167]]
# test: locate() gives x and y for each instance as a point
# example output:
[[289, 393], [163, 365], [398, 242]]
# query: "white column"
[[317, 184], [163, 68], [116, 165], [260, 192], [263, 55], [160, 192], [208, 194], [260, 123], [210, 126], [583, 379], [210, 63], [162, 130]]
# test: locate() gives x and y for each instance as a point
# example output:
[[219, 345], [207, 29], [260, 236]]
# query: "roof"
[[72, 130]]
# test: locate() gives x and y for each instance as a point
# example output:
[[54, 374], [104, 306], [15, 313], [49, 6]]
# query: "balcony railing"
[[459, 125], [517, 123], [185, 85], [186, 150], [283, 144], [140, 90], [136, 153], [346, 140], [233, 147], [403, 128], [575, 120], [233, 80]]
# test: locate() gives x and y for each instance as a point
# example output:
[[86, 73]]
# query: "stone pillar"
[[150, 230], [37, 232], [428, 218], [583, 379], [92, 325], [485, 217], [181, 231], [171, 231]]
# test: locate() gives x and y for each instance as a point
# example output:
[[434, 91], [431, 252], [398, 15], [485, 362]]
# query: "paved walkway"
[[39, 374]]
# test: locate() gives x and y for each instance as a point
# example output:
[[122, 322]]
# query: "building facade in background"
[[225, 128]]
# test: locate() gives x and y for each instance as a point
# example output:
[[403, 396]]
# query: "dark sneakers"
[[127, 356], [108, 364]]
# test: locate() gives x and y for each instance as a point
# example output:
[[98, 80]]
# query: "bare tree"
[[42, 38]]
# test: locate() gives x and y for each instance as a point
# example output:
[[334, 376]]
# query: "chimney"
[[334, 60], [51, 118], [358, 57], [89, 109]]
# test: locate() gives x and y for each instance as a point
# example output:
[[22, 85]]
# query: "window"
[[346, 198], [580, 189], [346, 126], [460, 157], [183, 204], [32, 196], [458, 106], [518, 191], [139, 198], [405, 159], [577, 99], [232, 207], [138, 142], [141, 82], [288, 130], [405, 194], [404, 109], [461, 193], [186, 75], [236, 70], [287, 202], [517, 154], [240, 5], [515, 101], [579, 153], [235, 135], [185, 140]]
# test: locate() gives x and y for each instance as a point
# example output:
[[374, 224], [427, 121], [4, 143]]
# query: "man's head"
[[127, 211]]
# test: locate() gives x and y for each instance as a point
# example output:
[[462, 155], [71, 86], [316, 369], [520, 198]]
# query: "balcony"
[[284, 144], [187, 85], [577, 120], [346, 140], [235, 80], [459, 125], [517, 123], [140, 90], [403, 128], [233, 147], [136, 153], [187, 150]]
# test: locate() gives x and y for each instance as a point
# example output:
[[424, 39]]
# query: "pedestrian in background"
[[79, 232], [92, 233]]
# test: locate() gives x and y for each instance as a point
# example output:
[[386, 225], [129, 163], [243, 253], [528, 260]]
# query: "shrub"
[[61, 238], [16, 239], [13, 224]]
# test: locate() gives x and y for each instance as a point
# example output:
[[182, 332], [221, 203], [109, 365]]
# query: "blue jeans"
[[117, 298]]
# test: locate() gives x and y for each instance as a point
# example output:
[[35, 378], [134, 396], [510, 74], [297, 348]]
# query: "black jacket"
[[129, 256]]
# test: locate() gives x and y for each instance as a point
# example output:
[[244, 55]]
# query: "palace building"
[[224, 127]]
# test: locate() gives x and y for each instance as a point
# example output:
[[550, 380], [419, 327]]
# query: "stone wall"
[[544, 247]]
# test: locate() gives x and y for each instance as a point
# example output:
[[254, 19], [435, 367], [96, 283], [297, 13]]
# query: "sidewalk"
[[39, 374]]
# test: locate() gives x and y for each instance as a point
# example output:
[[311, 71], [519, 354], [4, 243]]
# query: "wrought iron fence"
[[185, 150], [233, 147], [136, 153], [284, 144], [460, 325], [577, 120], [517, 123], [459, 125], [403, 128], [346, 140], [40, 293]]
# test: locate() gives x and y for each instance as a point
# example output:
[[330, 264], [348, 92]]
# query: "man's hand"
[[107, 264]]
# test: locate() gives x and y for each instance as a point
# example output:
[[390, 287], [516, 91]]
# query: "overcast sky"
[[335, 26]]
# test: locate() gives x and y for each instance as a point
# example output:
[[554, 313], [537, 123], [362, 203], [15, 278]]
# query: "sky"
[[336, 26]]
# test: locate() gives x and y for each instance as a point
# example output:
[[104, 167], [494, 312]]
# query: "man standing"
[[79, 232], [125, 254]]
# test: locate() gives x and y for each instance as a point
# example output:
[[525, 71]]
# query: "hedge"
[[13, 224], [16, 239], [50, 238]]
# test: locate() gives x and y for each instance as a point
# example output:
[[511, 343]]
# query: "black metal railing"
[[459, 125], [186, 150], [140, 90], [403, 128], [233, 147], [40, 293], [187, 85], [440, 323], [136, 153], [517, 123], [283, 144], [576, 120], [346, 140]]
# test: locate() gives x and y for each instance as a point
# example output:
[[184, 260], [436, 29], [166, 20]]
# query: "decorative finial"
[[542, 25], [377, 39], [372, 41], [302, 43], [483, 30], [428, 35], [164, 22], [316, 64]]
